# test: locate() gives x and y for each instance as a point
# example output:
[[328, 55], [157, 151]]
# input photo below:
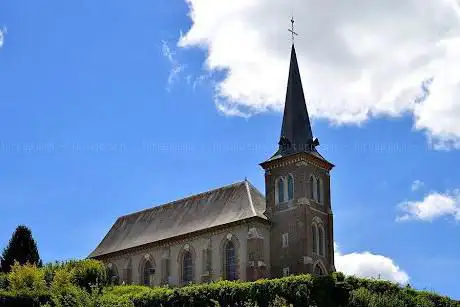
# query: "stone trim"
[[297, 158], [321, 265], [319, 211]]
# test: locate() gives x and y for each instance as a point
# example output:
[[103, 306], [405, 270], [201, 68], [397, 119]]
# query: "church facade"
[[235, 232]]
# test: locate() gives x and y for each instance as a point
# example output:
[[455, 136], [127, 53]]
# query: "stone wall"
[[201, 247]]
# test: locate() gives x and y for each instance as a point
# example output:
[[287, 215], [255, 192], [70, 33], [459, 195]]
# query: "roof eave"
[[179, 237]]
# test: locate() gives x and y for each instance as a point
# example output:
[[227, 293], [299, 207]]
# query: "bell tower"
[[297, 188]]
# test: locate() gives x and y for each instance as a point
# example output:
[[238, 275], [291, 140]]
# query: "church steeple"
[[296, 133], [297, 191]]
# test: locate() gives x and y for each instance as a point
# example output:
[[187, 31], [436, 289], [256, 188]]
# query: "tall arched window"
[[314, 232], [312, 187], [290, 187], [187, 267], [321, 240], [112, 273], [230, 261], [280, 190], [148, 273], [318, 190]]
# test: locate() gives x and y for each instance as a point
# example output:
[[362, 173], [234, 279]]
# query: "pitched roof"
[[231, 203], [296, 133]]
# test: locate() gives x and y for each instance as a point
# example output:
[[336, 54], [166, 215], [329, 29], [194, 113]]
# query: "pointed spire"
[[296, 133]]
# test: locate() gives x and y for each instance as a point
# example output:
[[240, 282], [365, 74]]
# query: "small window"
[[285, 240], [318, 190], [312, 187], [280, 190], [290, 186], [286, 271]]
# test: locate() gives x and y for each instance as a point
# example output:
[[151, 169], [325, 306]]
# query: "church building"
[[235, 232]]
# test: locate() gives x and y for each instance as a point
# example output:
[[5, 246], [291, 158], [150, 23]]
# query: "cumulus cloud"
[[388, 58], [176, 67], [369, 265], [433, 206], [417, 185], [2, 36]]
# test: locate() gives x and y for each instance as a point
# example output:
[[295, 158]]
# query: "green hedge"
[[302, 290], [84, 284], [24, 299]]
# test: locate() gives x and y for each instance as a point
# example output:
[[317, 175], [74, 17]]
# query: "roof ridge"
[[171, 203], [253, 187], [246, 184]]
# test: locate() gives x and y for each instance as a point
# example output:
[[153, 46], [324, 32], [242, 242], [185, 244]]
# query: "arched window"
[[321, 240], [312, 187], [230, 261], [112, 273], [318, 270], [314, 232], [187, 267], [148, 273], [290, 187], [318, 190], [280, 190]]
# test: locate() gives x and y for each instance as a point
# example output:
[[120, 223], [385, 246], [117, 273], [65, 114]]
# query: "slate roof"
[[296, 133], [231, 203]]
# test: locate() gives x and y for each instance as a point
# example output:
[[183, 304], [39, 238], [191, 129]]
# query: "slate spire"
[[296, 133]]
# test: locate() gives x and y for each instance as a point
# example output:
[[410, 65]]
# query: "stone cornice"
[[298, 159]]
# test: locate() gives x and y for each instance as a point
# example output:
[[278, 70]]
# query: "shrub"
[[88, 273], [111, 300], [70, 296], [24, 299], [26, 278], [49, 270], [79, 283], [3, 281], [62, 278]]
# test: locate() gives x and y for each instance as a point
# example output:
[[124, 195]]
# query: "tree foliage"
[[22, 248]]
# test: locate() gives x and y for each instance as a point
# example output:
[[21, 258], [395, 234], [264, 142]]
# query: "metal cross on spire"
[[292, 30]]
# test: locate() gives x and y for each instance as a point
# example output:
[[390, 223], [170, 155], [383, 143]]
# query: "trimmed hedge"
[[24, 299], [302, 290], [84, 283]]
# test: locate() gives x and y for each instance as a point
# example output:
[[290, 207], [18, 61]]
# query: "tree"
[[21, 248]]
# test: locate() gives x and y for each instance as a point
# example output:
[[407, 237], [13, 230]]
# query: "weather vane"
[[292, 30]]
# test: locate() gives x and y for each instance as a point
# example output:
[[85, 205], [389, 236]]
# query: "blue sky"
[[103, 113]]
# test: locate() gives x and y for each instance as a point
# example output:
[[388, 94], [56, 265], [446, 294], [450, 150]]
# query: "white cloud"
[[385, 58], [176, 67], [2, 36], [369, 265], [433, 206], [417, 185]]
